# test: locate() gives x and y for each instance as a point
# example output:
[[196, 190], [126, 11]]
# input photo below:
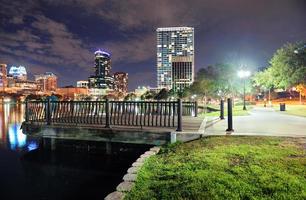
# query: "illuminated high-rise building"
[[102, 78], [18, 73], [3, 76], [173, 43], [46, 82], [121, 82]]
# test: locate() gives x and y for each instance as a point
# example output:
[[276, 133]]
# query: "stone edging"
[[130, 177]]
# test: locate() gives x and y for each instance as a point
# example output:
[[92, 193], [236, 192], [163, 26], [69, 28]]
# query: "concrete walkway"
[[262, 121]]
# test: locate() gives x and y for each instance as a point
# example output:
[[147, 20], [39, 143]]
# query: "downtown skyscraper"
[[102, 79], [175, 57]]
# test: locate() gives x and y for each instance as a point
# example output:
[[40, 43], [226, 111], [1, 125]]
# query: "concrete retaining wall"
[[130, 177]]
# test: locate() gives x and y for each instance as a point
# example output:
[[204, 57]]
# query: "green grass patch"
[[298, 110], [225, 167], [237, 111]]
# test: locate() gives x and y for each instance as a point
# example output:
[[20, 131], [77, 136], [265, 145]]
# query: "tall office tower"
[[102, 78], [18, 73], [3, 76], [121, 82], [173, 42], [46, 82]]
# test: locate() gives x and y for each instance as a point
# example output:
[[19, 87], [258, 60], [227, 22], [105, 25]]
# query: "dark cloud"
[[52, 34]]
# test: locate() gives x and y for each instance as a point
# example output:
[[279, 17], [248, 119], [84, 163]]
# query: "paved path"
[[262, 121]]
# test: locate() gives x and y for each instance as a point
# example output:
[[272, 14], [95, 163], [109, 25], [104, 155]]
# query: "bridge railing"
[[108, 113]]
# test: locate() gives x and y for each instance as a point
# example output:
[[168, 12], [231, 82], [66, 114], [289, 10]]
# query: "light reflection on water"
[[29, 172], [11, 137]]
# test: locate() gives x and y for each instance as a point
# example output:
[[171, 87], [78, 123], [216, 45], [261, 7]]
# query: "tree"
[[301, 89], [264, 80], [120, 95], [216, 81], [288, 66], [148, 95], [203, 88], [33, 97], [130, 96], [162, 95]]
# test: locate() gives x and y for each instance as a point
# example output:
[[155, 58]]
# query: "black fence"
[[107, 113]]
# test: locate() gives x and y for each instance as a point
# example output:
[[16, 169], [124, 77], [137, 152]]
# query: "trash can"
[[282, 107]]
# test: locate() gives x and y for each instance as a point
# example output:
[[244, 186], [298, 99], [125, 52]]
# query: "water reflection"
[[69, 172], [16, 138], [11, 137]]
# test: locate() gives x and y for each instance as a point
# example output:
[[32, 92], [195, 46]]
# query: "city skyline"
[[61, 36]]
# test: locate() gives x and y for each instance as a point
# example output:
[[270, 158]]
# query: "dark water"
[[71, 172]]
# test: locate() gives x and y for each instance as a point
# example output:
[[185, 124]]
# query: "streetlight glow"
[[244, 73]]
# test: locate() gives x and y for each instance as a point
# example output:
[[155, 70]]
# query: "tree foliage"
[[287, 68], [216, 81], [162, 95], [148, 95], [264, 79], [301, 89], [130, 96]]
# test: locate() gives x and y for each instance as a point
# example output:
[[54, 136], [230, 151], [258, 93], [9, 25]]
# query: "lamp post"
[[243, 74]]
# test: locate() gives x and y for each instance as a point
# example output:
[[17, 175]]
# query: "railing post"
[[195, 108], [26, 111], [49, 112], [107, 118], [222, 109], [229, 116], [71, 108], [179, 115]]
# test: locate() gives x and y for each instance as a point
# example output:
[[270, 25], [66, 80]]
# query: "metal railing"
[[111, 113]]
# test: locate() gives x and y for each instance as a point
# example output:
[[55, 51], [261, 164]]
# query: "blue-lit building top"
[[19, 73], [102, 77], [173, 42]]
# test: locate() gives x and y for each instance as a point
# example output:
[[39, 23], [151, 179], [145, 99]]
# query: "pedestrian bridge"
[[150, 122]]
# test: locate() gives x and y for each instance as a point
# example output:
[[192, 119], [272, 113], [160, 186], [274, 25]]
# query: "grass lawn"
[[237, 111], [225, 167], [299, 110]]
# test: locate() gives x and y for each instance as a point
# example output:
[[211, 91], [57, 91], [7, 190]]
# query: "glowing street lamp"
[[193, 96], [244, 74]]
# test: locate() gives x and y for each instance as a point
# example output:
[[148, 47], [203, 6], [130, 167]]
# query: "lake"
[[70, 172]]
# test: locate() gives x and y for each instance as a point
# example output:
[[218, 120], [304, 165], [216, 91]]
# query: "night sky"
[[61, 35]]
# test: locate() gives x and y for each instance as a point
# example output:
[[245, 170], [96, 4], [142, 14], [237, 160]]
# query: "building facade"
[[173, 42], [102, 78], [26, 85], [121, 82], [18, 73], [72, 93], [82, 84], [46, 82], [182, 73], [3, 76]]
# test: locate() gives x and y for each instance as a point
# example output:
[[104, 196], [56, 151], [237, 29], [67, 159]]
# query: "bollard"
[[222, 109], [107, 118], [229, 116], [179, 115], [195, 108]]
